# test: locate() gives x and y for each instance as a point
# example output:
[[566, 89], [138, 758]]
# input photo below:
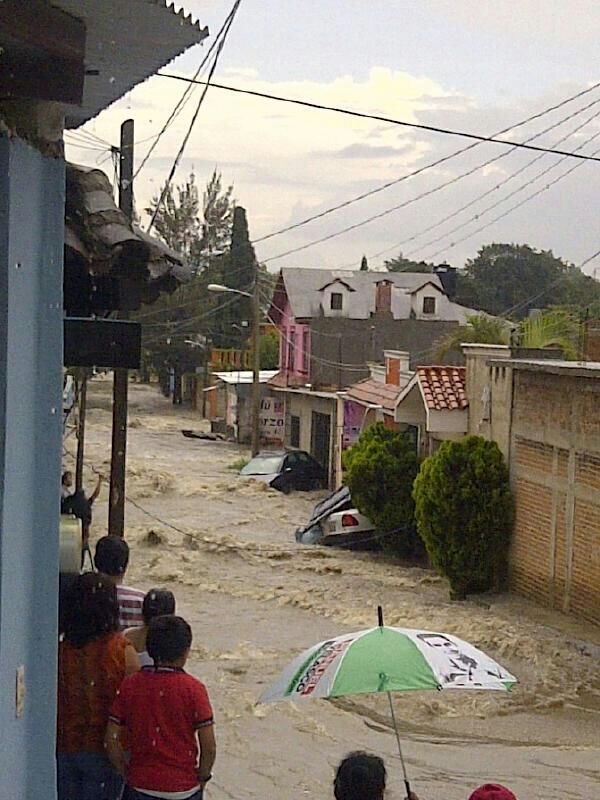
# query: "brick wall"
[[555, 470]]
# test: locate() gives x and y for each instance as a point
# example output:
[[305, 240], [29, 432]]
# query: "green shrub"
[[464, 513], [380, 471]]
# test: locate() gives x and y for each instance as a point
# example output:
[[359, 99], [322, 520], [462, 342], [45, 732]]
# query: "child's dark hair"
[[168, 639], [157, 603], [112, 555], [90, 610], [360, 776]]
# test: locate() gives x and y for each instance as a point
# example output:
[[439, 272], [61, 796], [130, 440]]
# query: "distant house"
[[228, 407], [333, 324]]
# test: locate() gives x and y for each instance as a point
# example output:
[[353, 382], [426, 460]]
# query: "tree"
[[237, 270], [364, 264], [402, 264], [379, 471], [464, 513], [512, 279], [217, 211], [194, 231], [177, 220], [269, 350], [557, 329], [480, 329]]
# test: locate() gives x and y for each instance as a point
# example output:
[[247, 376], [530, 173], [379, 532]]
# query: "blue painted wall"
[[31, 254]]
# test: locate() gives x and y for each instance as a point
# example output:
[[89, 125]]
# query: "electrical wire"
[[493, 189], [179, 106], [388, 120], [207, 84], [388, 211], [533, 179], [512, 208]]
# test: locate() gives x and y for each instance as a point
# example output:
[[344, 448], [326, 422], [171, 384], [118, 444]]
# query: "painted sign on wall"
[[272, 420]]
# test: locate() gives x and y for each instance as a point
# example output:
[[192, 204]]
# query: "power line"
[[516, 206], [494, 139], [507, 197], [184, 97], [494, 188], [207, 84]]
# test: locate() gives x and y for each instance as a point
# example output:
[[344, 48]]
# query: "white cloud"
[[288, 162]]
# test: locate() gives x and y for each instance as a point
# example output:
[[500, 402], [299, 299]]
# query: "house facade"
[[433, 407], [61, 64], [545, 416], [332, 325]]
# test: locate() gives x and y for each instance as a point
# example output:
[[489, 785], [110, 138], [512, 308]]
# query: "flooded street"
[[255, 599]]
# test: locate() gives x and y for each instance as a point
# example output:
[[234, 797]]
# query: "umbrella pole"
[[406, 782]]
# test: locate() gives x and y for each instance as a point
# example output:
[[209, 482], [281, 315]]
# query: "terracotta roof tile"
[[443, 387]]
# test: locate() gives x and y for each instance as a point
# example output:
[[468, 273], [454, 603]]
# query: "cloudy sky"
[[475, 65]]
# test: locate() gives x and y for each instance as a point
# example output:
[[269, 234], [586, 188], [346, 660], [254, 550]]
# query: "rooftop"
[[372, 392], [304, 290], [244, 376], [580, 369], [126, 43], [443, 388]]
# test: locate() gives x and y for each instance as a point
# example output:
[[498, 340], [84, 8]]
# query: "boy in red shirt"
[[166, 718]]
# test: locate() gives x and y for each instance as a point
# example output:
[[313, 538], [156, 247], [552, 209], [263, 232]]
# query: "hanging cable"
[[195, 115], [179, 106]]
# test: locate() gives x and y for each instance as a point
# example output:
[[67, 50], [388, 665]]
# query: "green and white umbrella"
[[385, 659]]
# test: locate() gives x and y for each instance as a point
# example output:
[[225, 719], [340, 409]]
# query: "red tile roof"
[[443, 387], [376, 393]]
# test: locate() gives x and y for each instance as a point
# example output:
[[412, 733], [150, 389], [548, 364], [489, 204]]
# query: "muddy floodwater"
[[255, 598]]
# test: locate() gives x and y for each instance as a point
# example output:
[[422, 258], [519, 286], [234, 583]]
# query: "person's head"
[[90, 610], [169, 640], [360, 776], [157, 603], [112, 556], [67, 479], [492, 791]]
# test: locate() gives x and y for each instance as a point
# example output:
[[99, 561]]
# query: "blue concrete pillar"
[[31, 256]]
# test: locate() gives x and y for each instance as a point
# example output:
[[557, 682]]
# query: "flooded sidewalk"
[[255, 599]]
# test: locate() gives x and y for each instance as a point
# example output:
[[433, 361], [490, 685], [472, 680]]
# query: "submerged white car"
[[335, 521]]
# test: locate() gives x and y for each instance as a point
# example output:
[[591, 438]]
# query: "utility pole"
[[256, 399], [82, 403], [116, 504]]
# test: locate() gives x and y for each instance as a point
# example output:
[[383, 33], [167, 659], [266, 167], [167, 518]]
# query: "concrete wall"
[[555, 471], [31, 253], [302, 405], [355, 342], [489, 391]]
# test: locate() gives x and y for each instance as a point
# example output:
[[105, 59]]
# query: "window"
[[295, 431], [429, 305], [337, 301], [306, 351]]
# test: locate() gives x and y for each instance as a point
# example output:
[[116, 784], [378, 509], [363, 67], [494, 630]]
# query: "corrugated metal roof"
[[244, 376], [127, 41]]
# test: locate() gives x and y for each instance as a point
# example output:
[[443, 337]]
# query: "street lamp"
[[219, 288]]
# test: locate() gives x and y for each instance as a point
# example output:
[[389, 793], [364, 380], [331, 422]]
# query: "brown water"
[[255, 599]]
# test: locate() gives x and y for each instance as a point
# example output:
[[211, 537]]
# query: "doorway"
[[321, 438]]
